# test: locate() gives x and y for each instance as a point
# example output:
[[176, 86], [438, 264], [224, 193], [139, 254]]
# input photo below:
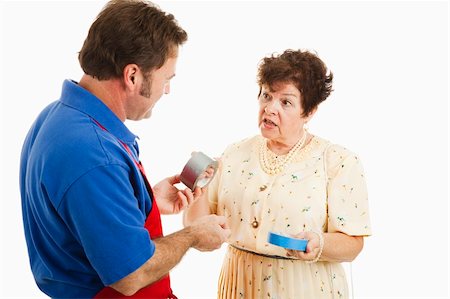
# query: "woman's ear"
[[310, 115]]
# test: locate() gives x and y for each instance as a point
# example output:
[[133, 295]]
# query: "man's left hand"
[[172, 200]]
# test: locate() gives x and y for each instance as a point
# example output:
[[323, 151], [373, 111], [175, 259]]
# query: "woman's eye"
[[265, 96], [286, 103]]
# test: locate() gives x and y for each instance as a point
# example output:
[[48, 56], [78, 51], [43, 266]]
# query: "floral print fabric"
[[322, 189]]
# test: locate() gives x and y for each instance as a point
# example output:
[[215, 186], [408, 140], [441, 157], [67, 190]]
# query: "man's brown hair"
[[126, 32]]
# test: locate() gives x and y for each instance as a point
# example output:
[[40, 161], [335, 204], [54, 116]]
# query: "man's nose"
[[167, 88]]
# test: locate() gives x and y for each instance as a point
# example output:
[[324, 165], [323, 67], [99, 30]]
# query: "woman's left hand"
[[172, 200], [312, 249]]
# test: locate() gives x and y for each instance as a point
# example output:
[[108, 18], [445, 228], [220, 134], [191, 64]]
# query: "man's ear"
[[131, 76]]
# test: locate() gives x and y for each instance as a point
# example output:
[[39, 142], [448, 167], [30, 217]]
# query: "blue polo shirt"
[[84, 200]]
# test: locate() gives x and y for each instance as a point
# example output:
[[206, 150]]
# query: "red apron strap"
[[160, 289]]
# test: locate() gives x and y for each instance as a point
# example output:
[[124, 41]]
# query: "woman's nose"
[[271, 107]]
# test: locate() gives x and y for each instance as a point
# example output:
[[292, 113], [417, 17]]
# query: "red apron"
[[161, 288]]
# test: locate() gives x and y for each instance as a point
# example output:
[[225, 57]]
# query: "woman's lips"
[[269, 124]]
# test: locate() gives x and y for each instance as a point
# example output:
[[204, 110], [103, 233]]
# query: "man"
[[91, 220]]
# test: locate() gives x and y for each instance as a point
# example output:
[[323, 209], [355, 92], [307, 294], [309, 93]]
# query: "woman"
[[291, 182]]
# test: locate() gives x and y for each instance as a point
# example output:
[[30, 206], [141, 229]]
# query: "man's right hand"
[[210, 231], [206, 233]]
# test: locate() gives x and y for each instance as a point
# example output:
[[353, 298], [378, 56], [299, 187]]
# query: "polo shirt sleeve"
[[103, 215]]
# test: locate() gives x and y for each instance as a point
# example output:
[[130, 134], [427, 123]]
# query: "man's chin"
[[147, 115], [141, 117]]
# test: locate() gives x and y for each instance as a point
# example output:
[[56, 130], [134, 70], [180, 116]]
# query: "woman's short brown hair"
[[301, 68], [129, 31]]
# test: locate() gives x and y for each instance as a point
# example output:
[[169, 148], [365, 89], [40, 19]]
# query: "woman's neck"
[[283, 147]]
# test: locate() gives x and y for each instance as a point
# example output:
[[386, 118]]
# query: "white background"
[[390, 105]]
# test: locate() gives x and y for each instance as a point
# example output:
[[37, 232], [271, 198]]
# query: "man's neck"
[[110, 92]]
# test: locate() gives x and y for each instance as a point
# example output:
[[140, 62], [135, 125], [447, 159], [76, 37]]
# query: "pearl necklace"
[[273, 164]]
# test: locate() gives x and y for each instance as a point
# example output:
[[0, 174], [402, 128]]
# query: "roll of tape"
[[287, 242], [198, 171]]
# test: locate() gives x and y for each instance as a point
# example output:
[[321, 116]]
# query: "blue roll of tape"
[[287, 242]]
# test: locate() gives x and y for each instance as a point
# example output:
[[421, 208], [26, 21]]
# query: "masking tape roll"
[[287, 242], [195, 173]]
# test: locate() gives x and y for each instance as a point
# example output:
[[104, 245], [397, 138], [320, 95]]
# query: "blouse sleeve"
[[214, 186], [348, 207], [213, 189]]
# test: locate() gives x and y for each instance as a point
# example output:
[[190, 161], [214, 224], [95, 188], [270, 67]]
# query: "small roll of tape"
[[195, 172], [287, 242]]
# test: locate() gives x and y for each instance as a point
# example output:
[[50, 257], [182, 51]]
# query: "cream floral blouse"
[[323, 188]]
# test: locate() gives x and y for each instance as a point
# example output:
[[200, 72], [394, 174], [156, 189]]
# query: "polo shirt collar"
[[77, 97]]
